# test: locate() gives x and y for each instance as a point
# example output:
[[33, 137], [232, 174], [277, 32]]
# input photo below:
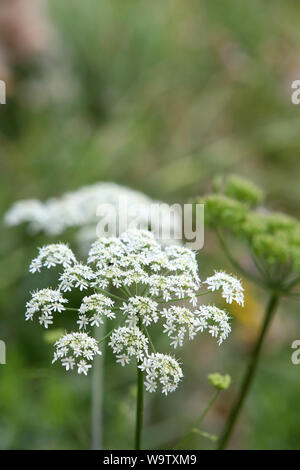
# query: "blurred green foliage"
[[164, 96]]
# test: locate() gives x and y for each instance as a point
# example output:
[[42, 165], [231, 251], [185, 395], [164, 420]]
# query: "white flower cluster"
[[215, 320], [53, 255], [80, 208], [97, 306], [136, 258], [127, 342], [179, 322], [146, 276], [232, 289], [45, 301], [76, 349], [76, 276], [161, 369], [142, 308]]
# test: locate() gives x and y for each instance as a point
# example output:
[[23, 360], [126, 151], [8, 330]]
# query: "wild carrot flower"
[[136, 283]]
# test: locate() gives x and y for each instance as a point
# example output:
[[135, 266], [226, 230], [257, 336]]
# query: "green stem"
[[150, 340], [293, 283], [139, 408], [199, 420], [250, 372], [111, 295], [97, 391]]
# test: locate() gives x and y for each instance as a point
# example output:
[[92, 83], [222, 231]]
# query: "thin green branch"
[[139, 405], [150, 340], [199, 420], [250, 372], [128, 291], [293, 283], [112, 295]]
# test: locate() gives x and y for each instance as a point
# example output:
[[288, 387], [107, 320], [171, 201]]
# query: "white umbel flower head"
[[45, 302], [232, 289], [76, 276], [128, 342], [93, 308], [161, 370], [53, 255], [136, 258], [76, 349], [142, 308], [180, 321], [215, 321]]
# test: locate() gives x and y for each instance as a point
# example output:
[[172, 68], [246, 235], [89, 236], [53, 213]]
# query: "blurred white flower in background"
[[79, 209]]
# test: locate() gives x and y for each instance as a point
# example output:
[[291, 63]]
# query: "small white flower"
[[83, 367], [83, 322], [68, 363], [232, 289], [123, 359], [46, 319]]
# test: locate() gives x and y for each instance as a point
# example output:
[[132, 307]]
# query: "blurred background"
[[161, 97]]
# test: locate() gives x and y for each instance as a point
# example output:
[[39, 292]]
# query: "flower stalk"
[[139, 408], [187, 436], [250, 372], [97, 393]]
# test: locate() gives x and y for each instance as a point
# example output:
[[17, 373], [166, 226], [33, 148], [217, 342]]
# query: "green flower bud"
[[254, 224], [295, 256], [222, 211], [278, 221], [294, 236], [244, 191], [220, 382], [272, 248]]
